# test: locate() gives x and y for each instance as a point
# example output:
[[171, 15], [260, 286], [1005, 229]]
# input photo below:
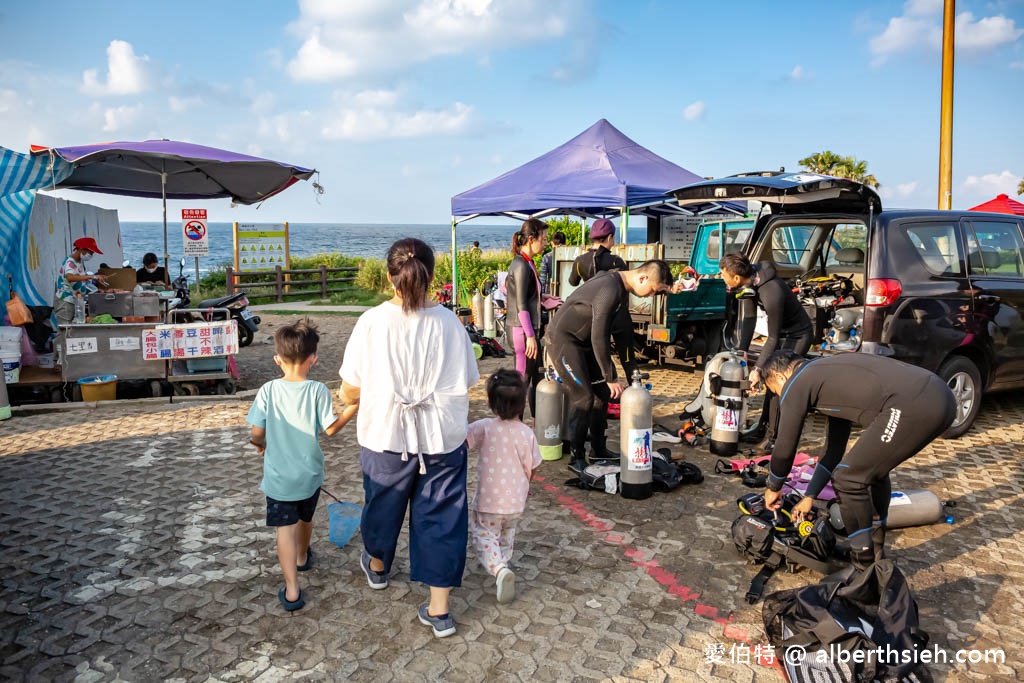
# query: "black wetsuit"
[[578, 344], [902, 409], [789, 328], [586, 266], [524, 295]]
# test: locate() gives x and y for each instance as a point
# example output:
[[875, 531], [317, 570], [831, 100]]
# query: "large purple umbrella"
[[174, 170]]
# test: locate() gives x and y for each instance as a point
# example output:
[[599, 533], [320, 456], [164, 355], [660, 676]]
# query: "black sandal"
[[291, 605], [309, 561]]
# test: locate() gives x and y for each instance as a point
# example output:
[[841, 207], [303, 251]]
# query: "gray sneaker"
[[442, 627], [377, 580], [505, 583]]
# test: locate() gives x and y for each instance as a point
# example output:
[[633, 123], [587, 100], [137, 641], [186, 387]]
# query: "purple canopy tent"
[[598, 173], [175, 170]]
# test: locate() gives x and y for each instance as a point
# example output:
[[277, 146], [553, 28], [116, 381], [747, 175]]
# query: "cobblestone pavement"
[[133, 547]]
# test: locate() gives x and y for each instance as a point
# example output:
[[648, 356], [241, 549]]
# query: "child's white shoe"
[[506, 585]]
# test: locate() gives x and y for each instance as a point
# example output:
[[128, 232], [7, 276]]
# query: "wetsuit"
[[524, 316], [902, 409], [578, 345], [789, 328], [586, 266]]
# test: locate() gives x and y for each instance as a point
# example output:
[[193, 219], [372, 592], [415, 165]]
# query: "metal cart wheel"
[[226, 387], [156, 388]]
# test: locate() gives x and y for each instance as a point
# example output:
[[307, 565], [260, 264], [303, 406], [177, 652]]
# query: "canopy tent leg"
[[455, 268], [624, 224]]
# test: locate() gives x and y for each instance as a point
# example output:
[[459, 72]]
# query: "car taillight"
[[882, 292]]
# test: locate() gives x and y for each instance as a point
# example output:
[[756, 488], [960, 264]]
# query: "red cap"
[[87, 243], [601, 228]]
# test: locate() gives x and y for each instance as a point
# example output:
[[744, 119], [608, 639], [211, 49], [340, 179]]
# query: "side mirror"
[[126, 263], [182, 262]]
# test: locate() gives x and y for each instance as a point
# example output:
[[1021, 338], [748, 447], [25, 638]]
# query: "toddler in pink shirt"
[[507, 454]]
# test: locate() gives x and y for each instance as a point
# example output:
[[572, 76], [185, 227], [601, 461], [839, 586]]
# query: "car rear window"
[[938, 247]]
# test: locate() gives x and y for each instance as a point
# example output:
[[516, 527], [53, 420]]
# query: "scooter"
[[237, 303]]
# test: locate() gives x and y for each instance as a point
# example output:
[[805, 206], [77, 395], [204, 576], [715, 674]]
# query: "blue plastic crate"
[[197, 365]]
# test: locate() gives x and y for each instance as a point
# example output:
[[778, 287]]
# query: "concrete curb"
[[71, 406]]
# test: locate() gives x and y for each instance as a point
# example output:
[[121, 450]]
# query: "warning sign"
[[261, 247], [193, 232]]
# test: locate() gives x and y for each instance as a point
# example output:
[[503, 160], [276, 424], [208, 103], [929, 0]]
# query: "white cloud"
[[355, 37], [380, 114], [989, 185], [901, 191], [695, 111], [799, 75], [183, 104], [120, 117], [922, 8], [986, 33], [126, 73], [919, 29], [1017, 66]]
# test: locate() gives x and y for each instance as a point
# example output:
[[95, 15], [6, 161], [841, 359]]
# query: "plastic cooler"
[[99, 388]]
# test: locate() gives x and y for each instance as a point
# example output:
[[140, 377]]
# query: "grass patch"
[[356, 297], [309, 312]]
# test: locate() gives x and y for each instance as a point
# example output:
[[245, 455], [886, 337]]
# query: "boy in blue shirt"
[[287, 417]]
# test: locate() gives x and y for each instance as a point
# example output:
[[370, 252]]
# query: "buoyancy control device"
[[721, 404], [774, 540]]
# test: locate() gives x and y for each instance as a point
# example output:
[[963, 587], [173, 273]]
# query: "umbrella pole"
[[163, 196]]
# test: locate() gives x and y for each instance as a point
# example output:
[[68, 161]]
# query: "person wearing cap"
[[599, 257], [72, 280]]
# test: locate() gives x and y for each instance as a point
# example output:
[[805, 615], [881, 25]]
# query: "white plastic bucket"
[[12, 366], [10, 335]]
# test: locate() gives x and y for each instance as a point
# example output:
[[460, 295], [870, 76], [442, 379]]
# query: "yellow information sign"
[[261, 246]]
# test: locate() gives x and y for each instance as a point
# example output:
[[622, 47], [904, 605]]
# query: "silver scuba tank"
[[548, 422], [476, 305], [906, 508], [635, 425], [490, 329], [729, 408]]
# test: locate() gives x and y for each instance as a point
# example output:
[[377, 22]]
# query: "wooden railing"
[[285, 284]]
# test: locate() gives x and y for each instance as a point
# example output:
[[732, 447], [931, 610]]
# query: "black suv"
[[940, 289]]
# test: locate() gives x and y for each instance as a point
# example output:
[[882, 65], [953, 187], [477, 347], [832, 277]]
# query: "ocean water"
[[307, 239]]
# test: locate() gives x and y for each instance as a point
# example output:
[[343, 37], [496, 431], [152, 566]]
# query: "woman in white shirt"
[[409, 364]]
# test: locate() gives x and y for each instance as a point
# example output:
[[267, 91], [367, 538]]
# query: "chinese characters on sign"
[[82, 345], [191, 340], [261, 247], [193, 232], [125, 343]]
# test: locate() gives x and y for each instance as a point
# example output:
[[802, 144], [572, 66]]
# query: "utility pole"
[[946, 116]]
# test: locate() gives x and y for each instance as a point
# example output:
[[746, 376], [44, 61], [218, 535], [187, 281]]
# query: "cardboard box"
[[119, 278]]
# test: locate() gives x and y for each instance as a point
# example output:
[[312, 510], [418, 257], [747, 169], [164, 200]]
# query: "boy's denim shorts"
[[288, 512]]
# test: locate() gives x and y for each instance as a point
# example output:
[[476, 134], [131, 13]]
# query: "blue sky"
[[402, 103]]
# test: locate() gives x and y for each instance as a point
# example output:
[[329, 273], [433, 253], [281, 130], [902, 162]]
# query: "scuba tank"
[[548, 422], [635, 425], [489, 326], [729, 407], [906, 508], [477, 307]]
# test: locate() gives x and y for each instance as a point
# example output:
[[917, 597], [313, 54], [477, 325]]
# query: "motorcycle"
[[181, 287], [237, 304]]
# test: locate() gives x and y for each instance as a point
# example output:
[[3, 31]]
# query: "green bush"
[[572, 227], [373, 275], [475, 269]]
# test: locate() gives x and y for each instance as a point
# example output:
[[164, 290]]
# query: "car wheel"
[[964, 380]]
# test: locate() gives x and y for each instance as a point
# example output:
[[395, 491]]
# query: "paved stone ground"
[[133, 548]]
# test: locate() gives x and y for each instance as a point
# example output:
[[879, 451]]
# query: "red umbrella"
[[1001, 204]]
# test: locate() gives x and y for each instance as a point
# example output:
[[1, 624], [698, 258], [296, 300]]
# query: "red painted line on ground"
[[653, 569]]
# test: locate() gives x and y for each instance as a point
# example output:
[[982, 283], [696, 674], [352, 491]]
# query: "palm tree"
[[830, 163], [1020, 188], [821, 162]]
